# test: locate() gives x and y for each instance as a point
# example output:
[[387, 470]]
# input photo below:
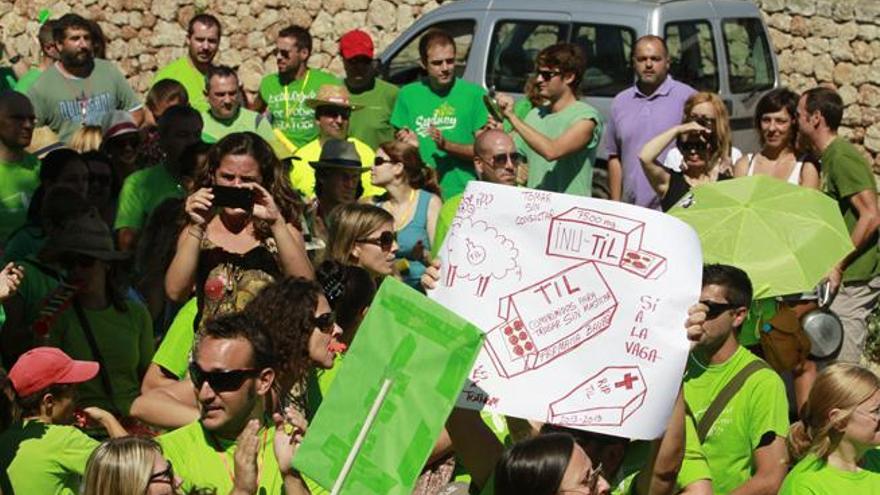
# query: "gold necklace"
[[401, 221]]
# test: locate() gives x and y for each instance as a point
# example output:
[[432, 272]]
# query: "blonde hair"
[[722, 122], [840, 386], [86, 138], [121, 466], [350, 222]]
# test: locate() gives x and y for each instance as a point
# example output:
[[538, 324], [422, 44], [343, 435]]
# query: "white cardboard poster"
[[583, 302]]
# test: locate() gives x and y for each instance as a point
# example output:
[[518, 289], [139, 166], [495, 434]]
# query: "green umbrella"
[[785, 237]]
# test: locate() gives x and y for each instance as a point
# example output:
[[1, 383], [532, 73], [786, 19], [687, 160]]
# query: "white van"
[[715, 45]]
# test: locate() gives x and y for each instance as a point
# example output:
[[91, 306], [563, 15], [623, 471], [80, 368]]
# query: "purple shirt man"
[[654, 104]]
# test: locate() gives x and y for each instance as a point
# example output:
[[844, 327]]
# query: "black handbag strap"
[[96, 354], [724, 397]]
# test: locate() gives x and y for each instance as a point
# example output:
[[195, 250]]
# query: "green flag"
[[407, 366]]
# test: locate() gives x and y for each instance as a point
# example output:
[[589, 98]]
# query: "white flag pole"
[[362, 435]]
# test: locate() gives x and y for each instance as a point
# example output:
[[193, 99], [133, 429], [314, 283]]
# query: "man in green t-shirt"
[[202, 42], [233, 374], [284, 94], [440, 114], [560, 139], [18, 168], [179, 127], [79, 89], [226, 115], [49, 54], [745, 444], [373, 98], [846, 178]]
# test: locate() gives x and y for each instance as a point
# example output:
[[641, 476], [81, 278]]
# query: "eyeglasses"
[[284, 53], [716, 308], [591, 481], [501, 159], [165, 476], [326, 322], [378, 161], [385, 240], [333, 112], [547, 74], [220, 381]]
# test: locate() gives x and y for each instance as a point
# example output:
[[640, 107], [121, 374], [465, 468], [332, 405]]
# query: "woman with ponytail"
[[413, 198], [837, 437]]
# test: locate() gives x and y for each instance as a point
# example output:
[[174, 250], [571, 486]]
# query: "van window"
[[513, 49], [692, 54], [609, 67], [748, 55], [404, 66]]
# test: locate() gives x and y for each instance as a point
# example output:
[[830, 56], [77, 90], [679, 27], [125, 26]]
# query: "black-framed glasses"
[[716, 308], [164, 476], [547, 74], [326, 322], [220, 381], [379, 160], [499, 160], [693, 146], [333, 112], [385, 240]]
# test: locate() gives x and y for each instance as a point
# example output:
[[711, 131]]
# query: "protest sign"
[[400, 379], [583, 304]]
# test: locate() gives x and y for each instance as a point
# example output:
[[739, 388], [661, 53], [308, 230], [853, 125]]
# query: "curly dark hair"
[[275, 180], [286, 309]]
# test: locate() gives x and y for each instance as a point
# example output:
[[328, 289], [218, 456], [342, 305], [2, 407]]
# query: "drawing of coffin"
[[607, 398], [592, 235], [549, 319]]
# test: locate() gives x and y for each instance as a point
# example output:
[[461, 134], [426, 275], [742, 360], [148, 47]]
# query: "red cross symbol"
[[627, 381]]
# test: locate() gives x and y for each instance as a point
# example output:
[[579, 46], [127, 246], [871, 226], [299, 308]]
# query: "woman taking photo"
[[703, 142], [363, 235], [776, 123], [237, 242], [837, 437], [413, 199]]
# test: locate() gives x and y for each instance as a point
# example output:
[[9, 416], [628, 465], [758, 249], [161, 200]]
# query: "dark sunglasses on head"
[[385, 240], [220, 381], [501, 159], [326, 322], [165, 476], [333, 112], [716, 308], [547, 74]]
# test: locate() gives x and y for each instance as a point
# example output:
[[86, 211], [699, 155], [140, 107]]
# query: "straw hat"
[[331, 95]]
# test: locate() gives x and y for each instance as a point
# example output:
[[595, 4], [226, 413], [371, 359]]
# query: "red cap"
[[44, 366], [356, 43]]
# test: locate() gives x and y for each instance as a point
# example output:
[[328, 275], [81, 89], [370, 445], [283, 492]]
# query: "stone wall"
[[817, 41], [837, 43]]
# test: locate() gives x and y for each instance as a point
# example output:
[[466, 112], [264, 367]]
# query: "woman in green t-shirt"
[[838, 435]]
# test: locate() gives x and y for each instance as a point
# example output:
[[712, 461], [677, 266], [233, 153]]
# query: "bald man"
[[496, 160], [18, 168]]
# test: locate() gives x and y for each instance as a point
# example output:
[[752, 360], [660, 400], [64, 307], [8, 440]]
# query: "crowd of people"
[[184, 272]]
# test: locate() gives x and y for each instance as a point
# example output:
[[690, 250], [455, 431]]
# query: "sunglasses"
[[715, 308], [695, 146], [326, 322], [333, 112], [220, 381], [547, 74], [501, 159], [284, 53], [166, 476], [378, 161], [385, 240]]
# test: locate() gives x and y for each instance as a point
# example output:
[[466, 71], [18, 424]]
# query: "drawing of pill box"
[[549, 319], [585, 234], [607, 398], [643, 263]]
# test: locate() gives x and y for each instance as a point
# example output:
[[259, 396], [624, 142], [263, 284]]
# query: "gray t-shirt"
[[66, 103]]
